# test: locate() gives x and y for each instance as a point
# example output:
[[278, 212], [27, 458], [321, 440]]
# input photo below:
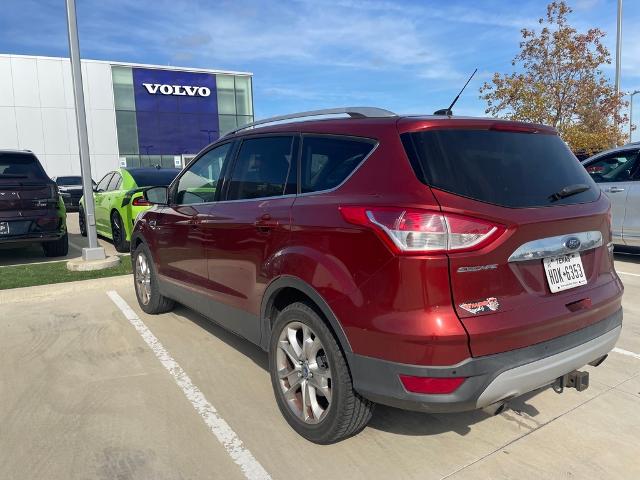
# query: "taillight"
[[140, 202], [417, 231], [431, 385]]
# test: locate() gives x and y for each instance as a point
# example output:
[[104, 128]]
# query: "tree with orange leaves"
[[560, 83]]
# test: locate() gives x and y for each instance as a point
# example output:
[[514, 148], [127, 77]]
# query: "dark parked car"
[[70, 188], [430, 263], [31, 210]]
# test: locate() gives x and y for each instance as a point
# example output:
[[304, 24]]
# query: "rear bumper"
[[32, 238], [491, 378]]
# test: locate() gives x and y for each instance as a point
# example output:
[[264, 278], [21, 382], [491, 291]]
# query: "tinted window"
[[153, 177], [504, 168], [616, 167], [261, 168], [198, 184], [327, 161], [69, 181], [115, 182], [104, 183], [20, 165]]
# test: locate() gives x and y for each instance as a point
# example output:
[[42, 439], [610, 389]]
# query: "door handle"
[[265, 222], [615, 189]]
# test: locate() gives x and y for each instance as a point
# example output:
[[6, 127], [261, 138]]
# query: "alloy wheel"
[[116, 229], [143, 278], [303, 372]]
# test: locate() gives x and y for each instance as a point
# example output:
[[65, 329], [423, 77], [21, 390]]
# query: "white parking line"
[[626, 352], [627, 273], [251, 468]]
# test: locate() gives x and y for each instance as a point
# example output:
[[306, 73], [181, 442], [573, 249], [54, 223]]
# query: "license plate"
[[4, 228], [564, 272]]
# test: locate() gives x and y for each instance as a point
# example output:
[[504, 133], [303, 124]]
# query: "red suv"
[[430, 263]]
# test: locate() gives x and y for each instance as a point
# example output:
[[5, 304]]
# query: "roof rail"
[[353, 112]]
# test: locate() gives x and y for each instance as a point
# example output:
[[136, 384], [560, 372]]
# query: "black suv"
[[31, 209], [70, 188]]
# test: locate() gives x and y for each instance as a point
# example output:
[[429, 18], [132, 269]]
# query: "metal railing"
[[353, 112]]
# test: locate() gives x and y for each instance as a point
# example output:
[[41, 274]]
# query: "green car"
[[119, 199]]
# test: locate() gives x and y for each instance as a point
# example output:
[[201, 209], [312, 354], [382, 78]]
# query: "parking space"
[[9, 255], [98, 389]]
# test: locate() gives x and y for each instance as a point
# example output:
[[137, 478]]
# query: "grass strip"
[[29, 275]]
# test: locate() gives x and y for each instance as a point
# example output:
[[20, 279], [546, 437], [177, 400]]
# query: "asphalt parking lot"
[[92, 387], [9, 255]]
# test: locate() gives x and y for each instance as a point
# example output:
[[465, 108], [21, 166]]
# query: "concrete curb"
[[61, 289], [80, 265]]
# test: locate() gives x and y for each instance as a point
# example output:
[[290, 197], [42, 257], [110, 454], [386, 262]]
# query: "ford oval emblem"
[[572, 243]]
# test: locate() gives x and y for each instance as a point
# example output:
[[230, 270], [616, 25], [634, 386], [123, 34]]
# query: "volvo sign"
[[180, 90]]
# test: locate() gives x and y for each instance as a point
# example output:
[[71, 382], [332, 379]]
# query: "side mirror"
[[157, 195]]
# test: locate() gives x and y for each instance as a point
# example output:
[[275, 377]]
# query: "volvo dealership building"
[[137, 115]]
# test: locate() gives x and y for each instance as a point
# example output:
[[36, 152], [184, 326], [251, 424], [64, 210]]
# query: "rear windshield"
[[20, 166], [69, 181], [153, 178], [504, 168]]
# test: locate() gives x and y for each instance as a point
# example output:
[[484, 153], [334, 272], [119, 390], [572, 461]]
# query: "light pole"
[[94, 252], [618, 46], [631, 112]]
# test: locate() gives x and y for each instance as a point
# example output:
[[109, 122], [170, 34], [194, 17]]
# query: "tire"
[[331, 418], [149, 299], [82, 221], [57, 248], [118, 233]]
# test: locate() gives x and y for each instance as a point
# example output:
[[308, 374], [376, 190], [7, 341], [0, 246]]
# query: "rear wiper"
[[569, 190]]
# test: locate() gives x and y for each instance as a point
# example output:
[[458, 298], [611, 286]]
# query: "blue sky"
[[407, 56]]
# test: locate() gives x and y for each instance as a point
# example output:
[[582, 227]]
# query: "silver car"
[[617, 171]]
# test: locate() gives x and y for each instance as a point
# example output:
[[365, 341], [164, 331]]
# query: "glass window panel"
[[199, 183], [115, 182], [327, 161], [123, 88], [261, 168], [133, 161], [244, 119], [127, 132], [243, 96], [227, 123], [226, 96]]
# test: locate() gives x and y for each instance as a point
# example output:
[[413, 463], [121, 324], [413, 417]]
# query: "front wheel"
[[118, 233], [82, 221], [311, 379]]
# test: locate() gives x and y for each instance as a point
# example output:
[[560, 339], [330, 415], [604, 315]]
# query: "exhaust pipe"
[[495, 408]]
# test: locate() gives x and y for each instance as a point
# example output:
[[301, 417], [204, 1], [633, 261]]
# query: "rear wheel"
[[82, 221], [57, 248], [311, 379], [118, 233], [146, 283]]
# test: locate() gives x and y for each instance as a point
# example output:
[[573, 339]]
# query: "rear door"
[[528, 182], [615, 173], [99, 199]]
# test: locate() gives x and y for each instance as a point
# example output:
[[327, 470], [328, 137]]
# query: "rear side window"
[[262, 168], [20, 166], [510, 169], [328, 161]]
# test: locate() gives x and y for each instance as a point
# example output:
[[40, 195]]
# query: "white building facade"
[[137, 115]]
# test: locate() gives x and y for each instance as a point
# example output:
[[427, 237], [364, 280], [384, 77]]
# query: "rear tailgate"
[[525, 311], [513, 175]]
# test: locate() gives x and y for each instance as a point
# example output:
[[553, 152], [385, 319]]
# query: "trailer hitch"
[[576, 379]]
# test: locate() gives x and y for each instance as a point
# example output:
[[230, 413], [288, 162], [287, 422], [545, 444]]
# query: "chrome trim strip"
[[554, 246]]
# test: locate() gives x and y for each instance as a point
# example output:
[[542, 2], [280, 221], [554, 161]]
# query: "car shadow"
[[387, 419]]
